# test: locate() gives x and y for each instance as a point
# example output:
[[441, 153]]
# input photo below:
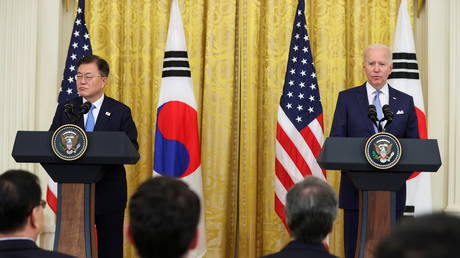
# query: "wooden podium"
[[76, 180], [377, 188]]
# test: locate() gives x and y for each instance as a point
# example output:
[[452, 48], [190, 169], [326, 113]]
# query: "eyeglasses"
[[43, 203], [79, 77]]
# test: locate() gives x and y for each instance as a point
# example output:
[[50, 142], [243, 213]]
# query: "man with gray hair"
[[351, 120], [311, 208]]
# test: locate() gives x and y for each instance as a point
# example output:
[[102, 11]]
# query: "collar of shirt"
[[16, 238], [97, 104], [384, 96]]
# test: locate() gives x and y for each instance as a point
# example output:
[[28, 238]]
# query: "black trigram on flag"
[[405, 77], [405, 66], [176, 64]]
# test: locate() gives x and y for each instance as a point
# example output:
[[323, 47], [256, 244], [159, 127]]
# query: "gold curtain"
[[238, 53]]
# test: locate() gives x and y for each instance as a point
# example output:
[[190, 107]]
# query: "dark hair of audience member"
[[429, 236], [164, 215], [19, 193], [311, 208]]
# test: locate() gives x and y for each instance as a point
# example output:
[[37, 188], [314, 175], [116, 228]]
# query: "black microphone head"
[[84, 108], [372, 108], [372, 113], [387, 113], [68, 107], [386, 108]]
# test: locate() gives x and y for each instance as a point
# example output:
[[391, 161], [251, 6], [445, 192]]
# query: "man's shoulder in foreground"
[[26, 249], [298, 249]]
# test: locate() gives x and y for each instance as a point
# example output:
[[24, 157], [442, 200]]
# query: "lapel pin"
[[394, 97], [400, 112], [107, 113]]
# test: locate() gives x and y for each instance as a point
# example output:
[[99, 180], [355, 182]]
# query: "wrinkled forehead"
[[377, 54]]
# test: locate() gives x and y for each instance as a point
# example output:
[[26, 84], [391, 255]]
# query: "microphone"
[[84, 108], [68, 110], [68, 107], [372, 114], [387, 114]]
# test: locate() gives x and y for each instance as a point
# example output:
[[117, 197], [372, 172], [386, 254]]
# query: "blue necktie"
[[89, 127], [378, 105]]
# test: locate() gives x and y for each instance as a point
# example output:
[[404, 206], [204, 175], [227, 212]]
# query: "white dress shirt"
[[97, 104], [384, 97]]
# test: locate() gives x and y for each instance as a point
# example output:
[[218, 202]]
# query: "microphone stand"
[[380, 127], [387, 115], [84, 108]]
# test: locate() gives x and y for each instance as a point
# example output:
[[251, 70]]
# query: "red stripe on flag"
[[283, 175], [292, 151], [320, 121], [311, 140], [422, 131], [279, 208], [51, 200], [421, 123]]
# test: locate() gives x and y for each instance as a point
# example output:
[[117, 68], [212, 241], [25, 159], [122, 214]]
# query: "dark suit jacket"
[[350, 120], [298, 249], [111, 190], [26, 249]]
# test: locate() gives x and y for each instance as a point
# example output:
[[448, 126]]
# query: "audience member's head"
[[21, 207], [429, 236], [164, 214], [311, 208]]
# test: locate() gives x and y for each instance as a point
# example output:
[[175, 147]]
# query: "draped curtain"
[[238, 53]]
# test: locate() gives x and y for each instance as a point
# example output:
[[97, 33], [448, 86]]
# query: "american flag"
[[299, 135], [80, 46]]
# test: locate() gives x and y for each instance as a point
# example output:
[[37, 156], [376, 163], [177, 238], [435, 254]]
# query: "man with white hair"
[[351, 120]]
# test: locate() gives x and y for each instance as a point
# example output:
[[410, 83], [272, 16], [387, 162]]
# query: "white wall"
[[33, 44], [437, 39]]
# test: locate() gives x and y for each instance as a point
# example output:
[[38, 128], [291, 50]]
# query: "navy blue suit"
[[351, 120], [26, 249], [301, 250], [111, 190]]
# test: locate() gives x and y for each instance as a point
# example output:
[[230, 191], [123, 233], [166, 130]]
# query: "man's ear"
[[128, 233], [105, 80], [36, 218], [194, 242]]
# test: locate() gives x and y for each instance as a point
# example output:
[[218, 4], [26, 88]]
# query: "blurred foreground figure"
[[430, 236], [164, 214], [21, 216], [311, 208]]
